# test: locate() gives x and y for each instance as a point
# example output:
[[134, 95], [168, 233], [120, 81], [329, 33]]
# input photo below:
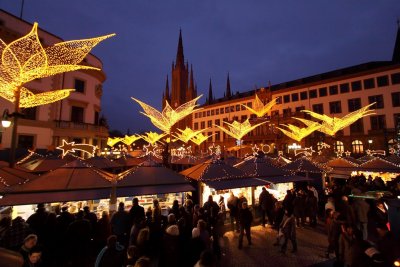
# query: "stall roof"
[[186, 161], [303, 165], [129, 161], [379, 165], [235, 183], [342, 163], [153, 189], [102, 163], [46, 163], [281, 161], [213, 170], [351, 159], [13, 176], [285, 179], [366, 158], [259, 167], [393, 159]]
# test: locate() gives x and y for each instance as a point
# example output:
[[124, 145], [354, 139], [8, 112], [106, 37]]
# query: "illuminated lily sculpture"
[[199, 138], [111, 141], [237, 130], [152, 137], [297, 133], [129, 140], [187, 134], [259, 108], [168, 117], [331, 125]]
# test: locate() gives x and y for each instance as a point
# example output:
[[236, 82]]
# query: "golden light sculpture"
[[129, 140], [168, 117], [259, 108], [25, 59], [111, 141], [297, 133], [187, 134], [331, 125], [152, 137], [237, 130], [199, 138], [72, 147]]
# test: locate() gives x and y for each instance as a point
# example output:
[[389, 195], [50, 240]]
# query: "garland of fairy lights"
[[259, 108]]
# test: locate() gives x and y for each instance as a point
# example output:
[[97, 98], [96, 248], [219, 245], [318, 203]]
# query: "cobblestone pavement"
[[311, 242]]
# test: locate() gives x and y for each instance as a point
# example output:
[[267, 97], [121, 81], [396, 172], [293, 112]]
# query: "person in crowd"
[[288, 229], [34, 257], [29, 242], [233, 211], [195, 247], [361, 209], [299, 208], [111, 255], [346, 242], [120, 224], [171, 249], [387, 244], [90, 216], [245, 218], [288, 201], [175, 209], [156, 215], [211, 210], [37, 221], [185, 224], [241, 199], [5, 224], [315, 192], [330, 204], [311, 208], [204, 234], [15, 234], [346, 211], [143, 242], [132, 255], [102, 231], [222, 207], [329, 231], [136, 212], [50, 240], [143, 262], [207, 259], [262, 200], [171, 219], [279, 212], [381, 216]]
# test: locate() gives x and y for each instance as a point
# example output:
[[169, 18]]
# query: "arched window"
[[357, 147], [339, 146]]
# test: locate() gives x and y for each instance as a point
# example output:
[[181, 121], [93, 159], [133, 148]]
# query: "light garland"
[[331, 125], [187, 134], [111, 141], [72, 147], [25, 60], [375, 152], [307, 151], [152, 137], [129, 140], [298, 133], [259, 108], [215, 150], [152, 150], [237, 130], [199, 138], [166, 119]]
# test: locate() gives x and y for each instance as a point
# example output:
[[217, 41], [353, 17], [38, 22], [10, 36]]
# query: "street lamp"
[[5, 119], [369, 143]]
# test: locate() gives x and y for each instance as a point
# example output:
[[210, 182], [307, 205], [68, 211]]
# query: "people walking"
[[288, 230], [245, 218], [233, 211]]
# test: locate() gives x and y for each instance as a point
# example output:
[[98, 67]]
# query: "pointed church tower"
[[228, 93], [166, 96], [210, 98], [396, 50], [191, 90]]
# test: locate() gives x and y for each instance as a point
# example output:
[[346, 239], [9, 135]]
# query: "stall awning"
[[153, 190], [285, 179], [234, 183]]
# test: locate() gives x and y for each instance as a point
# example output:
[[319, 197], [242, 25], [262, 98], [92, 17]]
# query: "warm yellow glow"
[[237, 130], [128, 140], [297, 133], [153, 150], [72, 147], [259, 108], [168, 117], [187, 134], [331, 125], [200, 138], [25, 60], [152, 137], [111, 141]]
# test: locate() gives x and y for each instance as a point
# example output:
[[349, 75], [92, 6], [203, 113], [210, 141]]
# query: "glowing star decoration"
[[255, 149], [200, 138], [215, 150], [308, 151], [111, 141], [263, 146], [297, 133], [152, 137], [280, 153], [72, 147], [331, 125], [237, 130], [153, 150], [347, 153], [259, 108], [25, 60], [168, 117], [392, 151], [339, 154], [187, 134], [129, 140]]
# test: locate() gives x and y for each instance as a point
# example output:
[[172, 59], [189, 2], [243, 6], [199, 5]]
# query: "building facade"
[[76, 118], [334, 93]]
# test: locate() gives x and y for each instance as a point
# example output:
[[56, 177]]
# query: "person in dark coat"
[[15, 234], [112, 255], [246, 218], [171, 252], [288, 229], [263, 202], [299, 208], [29, 242], [136, 213], [288, 201], [381, 215], [311, 208], [195, 247], [233, 211], [175, 209], [102, 231], [361, 209], [90, 216], [37, 221], [211, 210], [120, 224], [34, 257]]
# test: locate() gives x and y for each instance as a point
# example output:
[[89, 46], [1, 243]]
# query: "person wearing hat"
[[246, 218], [37, 221]]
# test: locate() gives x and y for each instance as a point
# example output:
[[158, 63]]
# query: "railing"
[[80, 126]]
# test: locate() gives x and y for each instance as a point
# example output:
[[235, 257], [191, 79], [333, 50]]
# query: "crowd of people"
[[191, 235]]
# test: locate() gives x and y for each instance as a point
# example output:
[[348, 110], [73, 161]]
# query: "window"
[[354, 104], [232, 108], [313, 93], [202, 125], [378, 99], [357, 147], [369, 83], [96, 118], [237, 107], [295, 97], [396, 99], [356, 86], [217, 136], [318, 108], [212, 112], [286, 98], [221, 110], [357, 126], [249, 104], [77, 114], [209, 123], [339, 147], [378, 122], [243, 118], [242, 107], [279, 100], [333, 90], [335, 107], [227, 110], [323, 92], [79, 86], [208, 113], [344, 88], [303, 95], [200, 113], [286, 112], [26, 141], [29, 113], [204, 113], [395, 78], [382, 81], [196, 115], [218, 122], [196, 126], [298, 109]]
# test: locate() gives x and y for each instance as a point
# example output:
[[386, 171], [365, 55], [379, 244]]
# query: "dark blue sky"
[[256, 41]]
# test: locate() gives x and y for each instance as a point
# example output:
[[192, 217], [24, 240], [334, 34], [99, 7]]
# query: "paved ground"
[[311, 249]]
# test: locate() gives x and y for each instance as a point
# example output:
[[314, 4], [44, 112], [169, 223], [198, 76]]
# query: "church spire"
[[180, 59], [228, 88], [396, 50], [167, 90], [210, 97], [191, 92]]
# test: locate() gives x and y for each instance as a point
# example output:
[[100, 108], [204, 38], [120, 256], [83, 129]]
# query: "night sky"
[[255, 41]]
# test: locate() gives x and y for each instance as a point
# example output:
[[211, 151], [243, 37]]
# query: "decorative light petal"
[[44, 98]]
